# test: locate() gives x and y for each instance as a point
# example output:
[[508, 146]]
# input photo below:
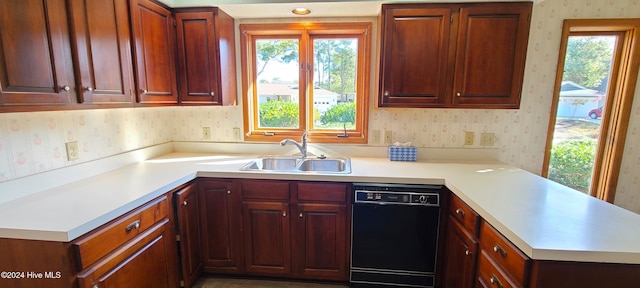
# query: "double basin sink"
[[340, 165]]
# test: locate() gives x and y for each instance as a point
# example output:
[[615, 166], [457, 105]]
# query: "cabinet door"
[[461, 252], [35, 58], [320, 248], [103, 46], [206, 47], [189, 230], [491, 51], [197, 58], [414, 56], [146, 261], [154, 50], [219, 212], [267, 245]]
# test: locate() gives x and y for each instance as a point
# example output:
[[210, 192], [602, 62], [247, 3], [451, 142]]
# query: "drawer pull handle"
[[467, 252], [134, 225], [460, 212], [498, 249], [495, 281]]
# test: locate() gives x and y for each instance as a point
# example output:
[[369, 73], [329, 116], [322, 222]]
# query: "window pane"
[[277, 83], [334, 83]]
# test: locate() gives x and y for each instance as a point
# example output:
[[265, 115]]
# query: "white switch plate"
[[375, 137], [468, 138], [236, 133], [206, 133], [487, 139], [388, 137]]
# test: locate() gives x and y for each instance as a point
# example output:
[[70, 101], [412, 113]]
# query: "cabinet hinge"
[[181, 283], [175, 23], [178, 238], [451, 18]]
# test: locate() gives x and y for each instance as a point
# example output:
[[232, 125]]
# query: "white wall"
[[34, 142]]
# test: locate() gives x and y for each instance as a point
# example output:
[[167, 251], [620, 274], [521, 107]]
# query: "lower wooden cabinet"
[[296, 229], [461, 254], [124, 252], [267, 237], [220, 220], [146, 261], [188, 224]]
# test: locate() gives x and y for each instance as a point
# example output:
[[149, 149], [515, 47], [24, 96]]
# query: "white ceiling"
[[243, 9]]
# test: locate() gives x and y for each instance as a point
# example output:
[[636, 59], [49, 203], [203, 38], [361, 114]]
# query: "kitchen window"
[[311, 77]]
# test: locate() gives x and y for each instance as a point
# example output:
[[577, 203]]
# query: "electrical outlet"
[[375, 136], [487, 139], [236, 133], [468, 138], [388, 137], [73, 153], [206, 133]]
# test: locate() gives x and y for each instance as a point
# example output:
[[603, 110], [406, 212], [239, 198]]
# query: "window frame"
[[305, 33]]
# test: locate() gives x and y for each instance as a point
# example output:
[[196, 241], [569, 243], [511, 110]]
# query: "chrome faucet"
[[302, 147]]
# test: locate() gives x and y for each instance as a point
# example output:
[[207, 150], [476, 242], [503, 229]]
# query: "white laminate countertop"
[[545, 220]]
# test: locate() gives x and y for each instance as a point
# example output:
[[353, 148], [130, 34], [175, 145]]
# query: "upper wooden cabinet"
[[154, 52], [453, 55], [415, 49], [35, 56], [103, 51], [206, 56]]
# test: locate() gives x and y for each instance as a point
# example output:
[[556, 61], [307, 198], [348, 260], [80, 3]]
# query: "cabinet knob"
[[184, 203], [458, 94], [228, 191], [301, 215], [284, 213], [495, 281], [90, 89], [134, 225], [386, 93], [144, 91], [467, 252], [65, 88], [94, 286], [212, 93], [460, 212]]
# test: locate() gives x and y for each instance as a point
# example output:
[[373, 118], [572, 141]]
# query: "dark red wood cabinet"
[[189, 236], [220, 221], [154, 44], [36, 67], [459, 55], [206, 56], [102, 45]]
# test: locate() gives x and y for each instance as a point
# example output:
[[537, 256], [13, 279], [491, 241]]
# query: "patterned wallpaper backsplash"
[[34, 142]]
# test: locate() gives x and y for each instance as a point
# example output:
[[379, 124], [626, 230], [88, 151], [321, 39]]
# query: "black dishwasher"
[[394, 235]]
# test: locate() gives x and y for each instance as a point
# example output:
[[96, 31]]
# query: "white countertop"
[[547, 221]]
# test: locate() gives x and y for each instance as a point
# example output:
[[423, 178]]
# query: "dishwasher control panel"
[[401, 194]]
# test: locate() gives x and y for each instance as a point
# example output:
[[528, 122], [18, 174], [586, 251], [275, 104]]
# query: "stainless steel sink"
[[325, 165], [341, 165]]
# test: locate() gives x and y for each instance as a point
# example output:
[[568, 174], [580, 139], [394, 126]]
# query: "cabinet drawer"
[[329, 192], [463, 213], [491, 275], [265, 189], [504, 253], [105, 239]]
